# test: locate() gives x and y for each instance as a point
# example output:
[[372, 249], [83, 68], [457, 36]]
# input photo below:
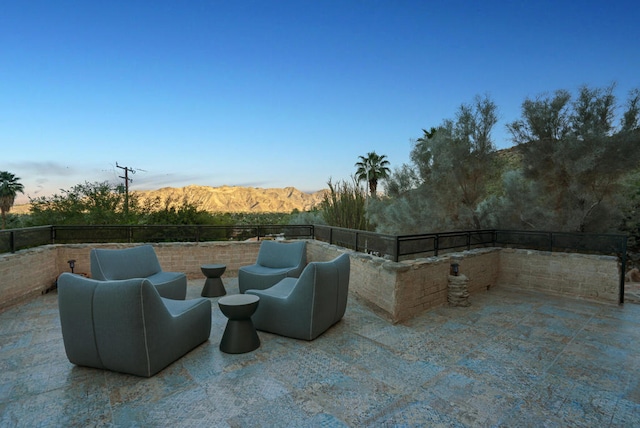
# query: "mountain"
[[227, 198], [237, 199]]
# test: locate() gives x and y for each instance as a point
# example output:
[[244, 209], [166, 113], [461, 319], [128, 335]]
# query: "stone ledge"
[[400, 290]]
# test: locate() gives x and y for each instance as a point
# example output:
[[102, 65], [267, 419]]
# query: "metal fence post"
[[623, 268], [396, 256]]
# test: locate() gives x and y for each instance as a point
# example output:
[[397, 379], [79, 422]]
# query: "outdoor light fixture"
[[72, 264], [454, 269]]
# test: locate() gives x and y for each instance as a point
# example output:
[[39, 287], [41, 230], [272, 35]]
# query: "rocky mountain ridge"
[[221, 199], [237, 198]]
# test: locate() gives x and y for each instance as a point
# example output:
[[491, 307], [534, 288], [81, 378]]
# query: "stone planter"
[[458, 290]]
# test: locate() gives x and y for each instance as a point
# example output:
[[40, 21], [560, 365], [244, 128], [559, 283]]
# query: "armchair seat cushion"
[[171, 285], [264, 270], [282, 290], [276, 260]]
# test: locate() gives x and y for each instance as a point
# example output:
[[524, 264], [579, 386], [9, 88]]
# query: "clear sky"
[[277, 93]]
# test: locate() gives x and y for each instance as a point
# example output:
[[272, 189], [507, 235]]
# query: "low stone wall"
[[578, 275], [400, 291], [26, 274], [396, 291], [422, 284], [184, 257]]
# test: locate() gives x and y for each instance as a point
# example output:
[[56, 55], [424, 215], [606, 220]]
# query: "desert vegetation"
[[345, 205], [574, 166], [102, 203]]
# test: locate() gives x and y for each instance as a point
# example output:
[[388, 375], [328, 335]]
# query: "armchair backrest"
[[126, 313], [106, 324], [125, 263], [326, 286], [75, 302], [276, 254]]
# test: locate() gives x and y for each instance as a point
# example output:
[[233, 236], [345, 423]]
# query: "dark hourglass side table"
[[240, 334], [213, 286]]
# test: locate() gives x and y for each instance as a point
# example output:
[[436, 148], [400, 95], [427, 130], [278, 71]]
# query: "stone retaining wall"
[[400, 291], [26, 274], [184, 257], [588, 276], [396, 291]]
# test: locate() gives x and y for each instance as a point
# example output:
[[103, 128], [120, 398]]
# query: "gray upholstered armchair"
[[305, 307], [137, 262], [125, 325], [276, 260]]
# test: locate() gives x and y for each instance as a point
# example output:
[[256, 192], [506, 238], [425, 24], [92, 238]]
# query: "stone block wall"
[[481, 266], [400, 291], [26, 274], [184, 257], [396, 291], [576, 275], [422, 284]]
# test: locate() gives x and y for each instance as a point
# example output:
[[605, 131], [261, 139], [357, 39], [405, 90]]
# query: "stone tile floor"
[[510, 359]]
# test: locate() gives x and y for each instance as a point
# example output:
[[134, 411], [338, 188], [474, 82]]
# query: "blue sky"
[[277, 93]]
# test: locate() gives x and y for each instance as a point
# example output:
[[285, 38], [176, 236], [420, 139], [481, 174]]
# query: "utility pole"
[[127, 180]]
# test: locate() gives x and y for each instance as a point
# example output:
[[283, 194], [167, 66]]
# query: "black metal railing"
[[433, 244], [393, 247], [12, 240], [612, 244]]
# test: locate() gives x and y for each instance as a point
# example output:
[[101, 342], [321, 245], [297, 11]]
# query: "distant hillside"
[[228, 199], [238, 199]]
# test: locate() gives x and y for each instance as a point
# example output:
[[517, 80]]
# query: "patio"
[[510, 359]]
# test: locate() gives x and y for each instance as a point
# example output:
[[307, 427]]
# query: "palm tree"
[[9, 188], [371, 169]]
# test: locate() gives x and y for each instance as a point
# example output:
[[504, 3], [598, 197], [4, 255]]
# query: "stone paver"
[[509, 359]]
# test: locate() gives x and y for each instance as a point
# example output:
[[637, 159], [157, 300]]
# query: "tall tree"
[[88, 203], [371, 169], [9, 188], [631, 117], [452, 166], [574, 156], [462, 161]]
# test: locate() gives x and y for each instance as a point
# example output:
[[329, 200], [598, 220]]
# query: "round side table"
[[240, 334], [213, 286]]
